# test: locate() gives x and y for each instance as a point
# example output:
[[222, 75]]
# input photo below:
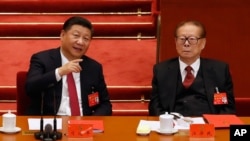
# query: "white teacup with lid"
[[9, 121], [166, 122]]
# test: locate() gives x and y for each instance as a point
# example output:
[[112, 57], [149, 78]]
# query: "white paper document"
[[155, 125], [34, 123]]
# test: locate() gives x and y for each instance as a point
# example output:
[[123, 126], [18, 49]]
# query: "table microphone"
[[48, 128], [47, 132], [40, 134]]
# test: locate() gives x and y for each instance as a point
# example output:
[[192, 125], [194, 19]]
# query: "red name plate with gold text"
[[202, 131], [78, 130]]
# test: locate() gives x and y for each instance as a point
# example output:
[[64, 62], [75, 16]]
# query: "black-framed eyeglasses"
[[191, 40]]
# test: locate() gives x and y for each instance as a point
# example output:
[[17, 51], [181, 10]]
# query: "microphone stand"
[[40, 134], [56, 135]]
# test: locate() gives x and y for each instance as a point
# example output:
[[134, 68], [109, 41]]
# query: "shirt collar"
[[64, 59], [195, 66]]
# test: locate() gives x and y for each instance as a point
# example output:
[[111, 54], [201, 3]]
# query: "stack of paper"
[[34, 123], [155, 125]]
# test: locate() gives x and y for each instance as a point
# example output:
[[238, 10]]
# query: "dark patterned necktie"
[[189, 77]]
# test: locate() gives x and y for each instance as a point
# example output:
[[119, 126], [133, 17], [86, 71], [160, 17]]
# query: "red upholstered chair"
[[23, 100], [242, 106]]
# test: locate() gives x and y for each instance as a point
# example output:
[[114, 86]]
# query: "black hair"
[[77, 20]]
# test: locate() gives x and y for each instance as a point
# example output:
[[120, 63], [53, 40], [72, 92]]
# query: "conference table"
[[116, 128]]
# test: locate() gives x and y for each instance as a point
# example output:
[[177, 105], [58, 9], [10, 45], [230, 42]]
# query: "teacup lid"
[[9, 114], [166, 115]]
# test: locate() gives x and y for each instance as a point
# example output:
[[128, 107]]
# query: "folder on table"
[[222, 120]]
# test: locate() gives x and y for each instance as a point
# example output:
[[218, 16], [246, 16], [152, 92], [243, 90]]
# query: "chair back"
[[23, 101], [242, 105]]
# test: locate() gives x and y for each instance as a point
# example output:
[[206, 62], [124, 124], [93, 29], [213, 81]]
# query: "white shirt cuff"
[[58, 77]]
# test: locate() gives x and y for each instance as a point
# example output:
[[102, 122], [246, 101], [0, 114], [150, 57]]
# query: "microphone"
[[47, 133], [40, 134]]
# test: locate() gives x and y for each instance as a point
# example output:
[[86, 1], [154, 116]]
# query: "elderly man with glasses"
[[189, 84]]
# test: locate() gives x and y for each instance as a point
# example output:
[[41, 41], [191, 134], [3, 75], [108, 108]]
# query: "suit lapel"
[[82, 76], [171, 85], [55, 58], [209, 80], [83, 82]]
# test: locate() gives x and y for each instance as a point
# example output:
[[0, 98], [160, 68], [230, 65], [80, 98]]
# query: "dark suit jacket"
[[41, 78], [164, 85]]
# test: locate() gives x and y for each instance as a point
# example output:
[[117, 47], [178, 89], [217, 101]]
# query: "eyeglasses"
[[191, 40]]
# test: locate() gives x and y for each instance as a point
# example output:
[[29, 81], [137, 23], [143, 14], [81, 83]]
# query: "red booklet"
[[98, 126], [222, 120]]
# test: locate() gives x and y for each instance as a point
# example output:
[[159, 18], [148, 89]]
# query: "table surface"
[[116, 128]]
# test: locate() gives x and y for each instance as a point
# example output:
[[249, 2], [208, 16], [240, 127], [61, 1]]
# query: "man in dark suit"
[[49, 69], [211, 90]]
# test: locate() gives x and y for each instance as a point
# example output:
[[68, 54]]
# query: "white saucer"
[[142, 134], [15, 130], [167, 133]]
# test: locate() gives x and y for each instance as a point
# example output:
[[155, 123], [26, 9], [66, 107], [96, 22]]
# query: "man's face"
[[75, 42], [188, 43]]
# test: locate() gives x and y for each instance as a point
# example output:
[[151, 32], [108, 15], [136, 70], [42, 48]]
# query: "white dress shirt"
[[64, 108]]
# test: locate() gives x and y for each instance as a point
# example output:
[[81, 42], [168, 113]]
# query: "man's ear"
[[62, 33], [204, 43]]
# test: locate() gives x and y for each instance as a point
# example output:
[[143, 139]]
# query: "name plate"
[[202, 131], [79, 130]]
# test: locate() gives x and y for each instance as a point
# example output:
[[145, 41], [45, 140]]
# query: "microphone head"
[[48, 131], [48, 128]]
